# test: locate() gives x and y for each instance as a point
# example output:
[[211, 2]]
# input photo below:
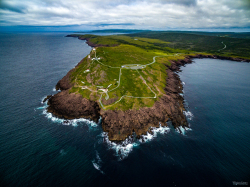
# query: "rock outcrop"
[[46, 98], [70, 106], [64, 83]]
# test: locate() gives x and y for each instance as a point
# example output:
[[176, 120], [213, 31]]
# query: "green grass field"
[[124, 75]]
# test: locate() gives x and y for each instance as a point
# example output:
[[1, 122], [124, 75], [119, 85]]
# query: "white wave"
[[43, 100], [188, 114], [182, 130], [146, 138], [100, 120], [188, 129], [72, 122], [40, 108], [155, 131], [122, 149], [183, 83], [98, 157], [54, 89], [97, 165]]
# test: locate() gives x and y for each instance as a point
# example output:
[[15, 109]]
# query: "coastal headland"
[[130, 82]]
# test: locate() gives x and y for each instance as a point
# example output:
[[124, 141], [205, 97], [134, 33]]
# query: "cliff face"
[[64, 83], [71, 106], [121, 124]]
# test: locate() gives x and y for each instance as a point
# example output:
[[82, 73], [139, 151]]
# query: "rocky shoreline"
[[121, 124]]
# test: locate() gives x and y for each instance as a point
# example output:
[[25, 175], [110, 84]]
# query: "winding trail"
[[133, 67], [223, 47], [127, 66]]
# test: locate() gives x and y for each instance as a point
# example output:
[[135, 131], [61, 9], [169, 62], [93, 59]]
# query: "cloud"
[[139, 14], [108, 24], [181, 2], [11, 7]]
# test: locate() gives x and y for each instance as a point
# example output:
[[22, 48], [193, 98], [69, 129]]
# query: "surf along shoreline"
[[118, 124]]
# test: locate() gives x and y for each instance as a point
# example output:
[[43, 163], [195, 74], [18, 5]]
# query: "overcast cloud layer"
[[154, 14]]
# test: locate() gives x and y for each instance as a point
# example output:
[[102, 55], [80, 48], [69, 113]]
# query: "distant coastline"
[[114, 31]]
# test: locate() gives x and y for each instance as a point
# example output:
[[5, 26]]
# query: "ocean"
[[38, 149]]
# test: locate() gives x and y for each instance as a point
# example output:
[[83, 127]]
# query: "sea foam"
[[123, 149], [155, 131], [182, 130], [45, 103], [97, 163], [72, 122], [188, 114]]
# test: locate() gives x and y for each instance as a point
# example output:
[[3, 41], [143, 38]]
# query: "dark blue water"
[[37, 150]]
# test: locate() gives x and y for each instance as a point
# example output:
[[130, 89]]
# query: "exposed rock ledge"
[[121, 124]]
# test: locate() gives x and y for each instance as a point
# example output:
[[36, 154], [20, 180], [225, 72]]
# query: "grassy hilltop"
[[237, 44], [129, 71]]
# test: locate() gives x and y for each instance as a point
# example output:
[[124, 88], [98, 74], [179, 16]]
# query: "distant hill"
[[245, 35], [237, 44], [114, 31]]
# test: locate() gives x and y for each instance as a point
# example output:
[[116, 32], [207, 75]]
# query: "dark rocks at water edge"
[[45, 99], [71, 106]]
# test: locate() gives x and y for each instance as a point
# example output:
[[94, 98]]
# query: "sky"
[[124, 14]]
